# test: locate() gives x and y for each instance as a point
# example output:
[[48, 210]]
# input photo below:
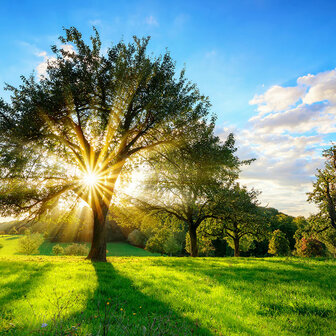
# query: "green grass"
[[167, 296], [10, 247]]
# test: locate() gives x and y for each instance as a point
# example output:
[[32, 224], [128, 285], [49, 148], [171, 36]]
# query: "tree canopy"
[[70, 133]]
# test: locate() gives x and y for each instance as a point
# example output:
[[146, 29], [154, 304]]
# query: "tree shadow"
[[118, 308], [19, 287]]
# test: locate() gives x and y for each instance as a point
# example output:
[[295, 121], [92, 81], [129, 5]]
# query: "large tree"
[[324, 189], [184, 179], [70, 133]]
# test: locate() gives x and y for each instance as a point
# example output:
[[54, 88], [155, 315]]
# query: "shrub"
[[310, 247], [2, 233], [279, 244], [171, 245], [1, 246], [137, 238], [154, 244], [30, 243], [76, 249], [58, 250]]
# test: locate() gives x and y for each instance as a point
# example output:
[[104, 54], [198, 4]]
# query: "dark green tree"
[[71, 133], [238, 216], [279, 244]]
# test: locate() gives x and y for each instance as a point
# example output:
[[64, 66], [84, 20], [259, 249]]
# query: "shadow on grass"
[[18, 288], [118, 308], [13, 237]]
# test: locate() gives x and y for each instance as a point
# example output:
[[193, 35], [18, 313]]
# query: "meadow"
[[48, 295]]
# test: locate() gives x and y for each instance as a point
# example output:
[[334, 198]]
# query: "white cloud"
[[277, 98], [151, 20], [286, 136]]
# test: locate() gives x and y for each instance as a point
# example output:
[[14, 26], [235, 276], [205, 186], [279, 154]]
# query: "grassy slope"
[[169, 296], [10, 245]]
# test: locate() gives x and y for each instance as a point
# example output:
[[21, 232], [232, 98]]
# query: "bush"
[[154, 244], [137, 238], [279, 244], [1, 246], [2, 233], [171, 245], [76, 249], [58, 250], [310, 247], [30, 243]]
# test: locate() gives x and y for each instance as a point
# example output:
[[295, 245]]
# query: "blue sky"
[[242, 54]]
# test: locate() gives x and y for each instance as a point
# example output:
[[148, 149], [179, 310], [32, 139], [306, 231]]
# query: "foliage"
[[316, 227], [172, 246], [137, 238], [1, 246], [76, 249], [324, 189], [30, 243], [90, 115], [184, 180], [279, 244], [310, 247], [239, 215], [58, 250], [204, 244]]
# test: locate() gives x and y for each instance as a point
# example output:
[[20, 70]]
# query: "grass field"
[[47, 295], [10, 246]]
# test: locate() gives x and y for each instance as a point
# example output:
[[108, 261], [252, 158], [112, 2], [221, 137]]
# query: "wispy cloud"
[[151, 20]]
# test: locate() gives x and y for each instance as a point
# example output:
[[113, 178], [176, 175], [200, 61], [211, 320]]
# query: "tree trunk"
[[193, 241], [98, 245], [100, 207], [236, 247]]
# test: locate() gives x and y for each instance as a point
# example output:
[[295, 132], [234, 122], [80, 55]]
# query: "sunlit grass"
[[10, 247], [208, 296]]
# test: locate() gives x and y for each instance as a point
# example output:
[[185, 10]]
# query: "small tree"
[[30, 243], [279, 244], [310, 247], [58, 250], [171, 245]]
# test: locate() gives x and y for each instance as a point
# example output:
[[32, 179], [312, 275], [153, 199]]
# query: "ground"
[[46, 295]]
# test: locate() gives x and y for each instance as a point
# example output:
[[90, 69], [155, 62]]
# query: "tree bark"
[[193, 241], [98, 245], [236, 247]]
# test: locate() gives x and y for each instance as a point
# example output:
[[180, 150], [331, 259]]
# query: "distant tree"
[[279, 244], [184, 179], [310, 247], [172, 245], [324, 189], [238, 215], [316, 227], [30, 243], [71, 133]]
